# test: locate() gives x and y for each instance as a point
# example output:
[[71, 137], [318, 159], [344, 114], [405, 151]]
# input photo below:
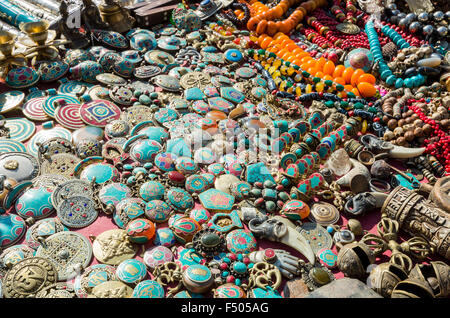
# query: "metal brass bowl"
[[6, 43], [37, 31]]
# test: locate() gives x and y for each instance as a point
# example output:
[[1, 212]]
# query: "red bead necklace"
[[438, 144]]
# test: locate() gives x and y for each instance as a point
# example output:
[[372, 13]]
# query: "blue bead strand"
[[385, 72]]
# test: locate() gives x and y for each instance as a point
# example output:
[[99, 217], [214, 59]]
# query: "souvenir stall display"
[[225, 149]]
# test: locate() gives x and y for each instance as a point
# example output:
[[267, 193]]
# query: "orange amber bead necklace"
[[262, 22]]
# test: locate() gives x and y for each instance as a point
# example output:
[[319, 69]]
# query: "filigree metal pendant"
[[70, 252]]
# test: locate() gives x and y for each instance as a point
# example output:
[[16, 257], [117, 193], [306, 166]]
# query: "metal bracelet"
[[378, 185]]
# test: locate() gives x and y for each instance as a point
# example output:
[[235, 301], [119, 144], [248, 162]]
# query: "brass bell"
[[412, 288], [436, 275], [385, 277], [354, 258]]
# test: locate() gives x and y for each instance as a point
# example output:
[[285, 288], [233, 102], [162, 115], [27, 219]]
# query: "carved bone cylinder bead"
[[419, 217]]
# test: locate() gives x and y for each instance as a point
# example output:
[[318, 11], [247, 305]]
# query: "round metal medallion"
[[7, 145], [28, 277], [156, 256], [33, 110], [146, 71], [159, 58], [136, 114], [131, 271], [324, 213], [98, 92], [348, 28], [12, 255], [317, 236], [195, 79], [52, 70], [50, 104], [19, 166], [148, 289], [49, 181], [122, 95], [77, 212], [99, 113], [63, 163], [46, 134], [112, 289], [112, 247], [68, 116], [167, 82], [20, 129], [73, 187], [69, 251], [110, 79]]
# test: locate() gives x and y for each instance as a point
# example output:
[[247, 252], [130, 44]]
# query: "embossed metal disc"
[[20, 129], [68, 251], [317, 236], [46, 134], [110, 79], [112, 289], [28, 277], [348, 28], [146, 71], [122, 95], [74, 187], [112, 247], [68, 116], [32, 109], [324, 213], [167, 82], [50, 181], [195, 79], [10, 100], [8, 145], [98, 92], [77, 211], [99, 112], [58, 290], [136, 114], [63, 163], [12, 255], [27, 166]]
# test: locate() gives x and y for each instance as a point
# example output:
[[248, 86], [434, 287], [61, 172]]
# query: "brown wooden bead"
[[418, 132], [401, 141], [427, 129], [391, 124], [409, 136], [401, 122]]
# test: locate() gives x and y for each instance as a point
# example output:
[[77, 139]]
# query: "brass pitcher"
[[116, 16]]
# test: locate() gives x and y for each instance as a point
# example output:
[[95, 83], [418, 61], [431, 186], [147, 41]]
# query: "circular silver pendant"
[[74, 187], [70, 252], [77, 212]]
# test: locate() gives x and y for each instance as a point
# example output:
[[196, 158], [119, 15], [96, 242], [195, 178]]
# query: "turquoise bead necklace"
[[385, 72]]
